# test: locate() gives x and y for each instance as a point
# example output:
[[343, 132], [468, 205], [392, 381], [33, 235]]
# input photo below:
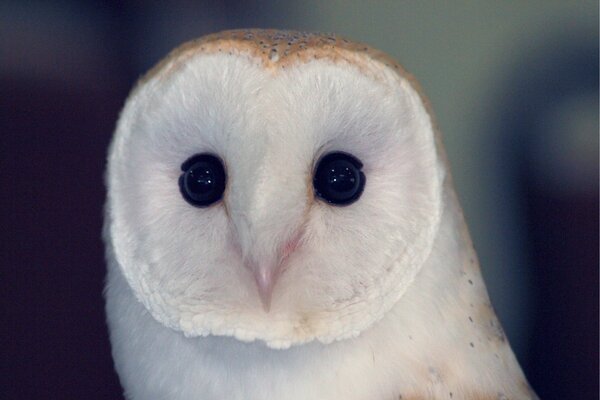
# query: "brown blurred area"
[[515, 88]]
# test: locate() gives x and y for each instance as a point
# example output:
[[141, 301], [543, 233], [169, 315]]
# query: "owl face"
[[272, 196]]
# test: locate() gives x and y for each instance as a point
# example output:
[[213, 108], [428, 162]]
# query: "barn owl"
[[281, 224]]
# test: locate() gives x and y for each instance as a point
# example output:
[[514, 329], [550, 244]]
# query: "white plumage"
[[272, 292]]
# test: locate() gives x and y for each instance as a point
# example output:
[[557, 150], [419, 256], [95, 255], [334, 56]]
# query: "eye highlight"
[[338, 179], [202, 182]]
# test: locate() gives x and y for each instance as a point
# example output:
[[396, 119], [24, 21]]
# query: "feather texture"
[[381, 299]]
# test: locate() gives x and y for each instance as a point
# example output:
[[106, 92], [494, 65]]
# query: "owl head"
[[273, 185]]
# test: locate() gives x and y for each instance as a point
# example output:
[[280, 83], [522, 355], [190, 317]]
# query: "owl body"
[[278, 289]]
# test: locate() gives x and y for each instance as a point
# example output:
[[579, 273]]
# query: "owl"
[[281, 224]]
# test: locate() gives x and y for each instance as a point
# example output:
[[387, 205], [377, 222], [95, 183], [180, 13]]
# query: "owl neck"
[[450, 332]]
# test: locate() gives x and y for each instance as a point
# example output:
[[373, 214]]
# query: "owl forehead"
[[249, 114], [264, 81], [280, 49]]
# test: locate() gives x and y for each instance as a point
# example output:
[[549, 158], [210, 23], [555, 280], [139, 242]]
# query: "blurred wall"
[[522, 156]]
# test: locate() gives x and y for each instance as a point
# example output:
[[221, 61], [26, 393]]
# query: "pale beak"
[[266, 272], [265, 277]]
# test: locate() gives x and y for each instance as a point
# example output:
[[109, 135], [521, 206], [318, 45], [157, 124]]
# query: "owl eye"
[[202, 182], [338, 179]]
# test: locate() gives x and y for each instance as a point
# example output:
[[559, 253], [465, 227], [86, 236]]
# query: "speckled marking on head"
[[278, 49]]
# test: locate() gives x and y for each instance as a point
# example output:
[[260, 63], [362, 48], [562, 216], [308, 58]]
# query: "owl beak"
[[265, 280], [266, 274]]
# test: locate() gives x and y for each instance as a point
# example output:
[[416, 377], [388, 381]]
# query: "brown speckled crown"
[[277, 49], [284, 47]]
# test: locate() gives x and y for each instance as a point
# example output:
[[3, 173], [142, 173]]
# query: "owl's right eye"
[[202, 182]]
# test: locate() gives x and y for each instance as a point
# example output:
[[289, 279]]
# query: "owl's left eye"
[[202, 182], [338, 178]]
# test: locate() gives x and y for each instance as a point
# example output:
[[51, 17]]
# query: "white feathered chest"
[[281, 225]]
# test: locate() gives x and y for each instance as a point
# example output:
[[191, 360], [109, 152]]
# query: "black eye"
[[203, 180], [338, 178]]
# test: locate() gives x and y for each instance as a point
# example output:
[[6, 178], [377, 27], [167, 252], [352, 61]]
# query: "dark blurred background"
[[515, 89]]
